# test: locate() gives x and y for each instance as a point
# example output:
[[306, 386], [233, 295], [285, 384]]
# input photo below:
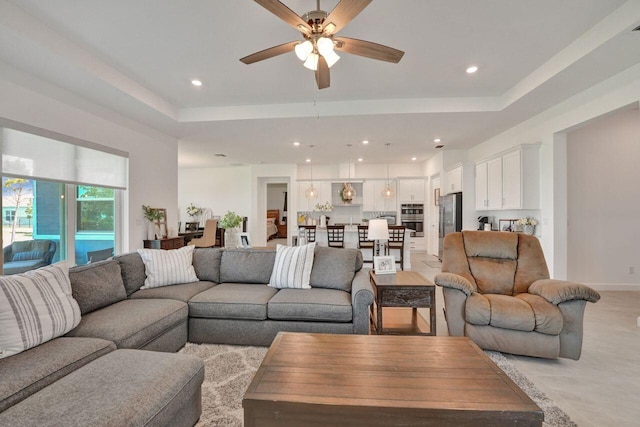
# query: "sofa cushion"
[[232, 301], [35, 307], [97, 285], [292, 267], [547, 316], [206, 263], [29, 255], [334, 268], [122, 388], [132, 269], [164, 268], [493, 275], [491, 245], [247, 266], [182, 292], [314, 305], [25, 373], [132, 323]]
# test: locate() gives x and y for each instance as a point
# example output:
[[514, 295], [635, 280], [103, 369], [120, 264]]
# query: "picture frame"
[[162, 223], [245, 240], [384, 264], [436, 196]]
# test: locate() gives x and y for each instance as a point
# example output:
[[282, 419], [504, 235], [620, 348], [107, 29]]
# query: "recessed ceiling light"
[[472, 69], [365, 142], [414, 158], [360, 159], [308, 160], [436, 140], [196, 82], [297, 144]]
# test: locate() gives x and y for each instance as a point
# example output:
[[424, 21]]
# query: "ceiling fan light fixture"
[[303, 50], [331, 58], [312, 61], [325, 46]]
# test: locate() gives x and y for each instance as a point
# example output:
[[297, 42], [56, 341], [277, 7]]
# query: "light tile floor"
[[603, 387]]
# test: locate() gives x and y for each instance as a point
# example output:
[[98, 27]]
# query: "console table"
[[168, 243]]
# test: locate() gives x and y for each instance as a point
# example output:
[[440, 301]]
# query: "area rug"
[[229, 370]]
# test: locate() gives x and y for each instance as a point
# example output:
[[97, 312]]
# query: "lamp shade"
[[378, 229]]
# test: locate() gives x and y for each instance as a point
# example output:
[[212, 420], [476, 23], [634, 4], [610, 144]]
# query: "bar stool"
[[396, 241], [309, 232], [364, 242], [335, 236]]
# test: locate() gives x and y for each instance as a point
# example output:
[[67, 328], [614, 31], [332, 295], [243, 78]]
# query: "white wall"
[[604, 200], [275, 196], [153, 157]]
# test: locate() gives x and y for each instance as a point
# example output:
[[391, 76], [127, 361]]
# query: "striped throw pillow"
[[292, 268], [35, 307], [165, 268]]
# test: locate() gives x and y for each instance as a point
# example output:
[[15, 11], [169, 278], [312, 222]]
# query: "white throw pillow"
[[165, 268], [35, 307], [292, 268]]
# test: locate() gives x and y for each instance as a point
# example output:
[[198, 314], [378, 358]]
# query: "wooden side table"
[[403, 290], [168, 243]]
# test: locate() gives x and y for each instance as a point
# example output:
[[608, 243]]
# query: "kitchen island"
[[351, 241]]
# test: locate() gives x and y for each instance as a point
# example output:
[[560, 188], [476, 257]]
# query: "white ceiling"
[[137, 58]]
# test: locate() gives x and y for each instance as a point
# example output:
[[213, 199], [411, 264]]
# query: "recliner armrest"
[[455, 281], [559, 291]]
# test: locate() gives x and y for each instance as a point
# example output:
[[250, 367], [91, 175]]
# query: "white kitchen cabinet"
[[373, 200], [510, 181], [454, 180], [324, 195], [418, 244], [411, 190]]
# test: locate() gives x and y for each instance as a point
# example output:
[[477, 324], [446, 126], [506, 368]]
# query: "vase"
[[528, 228], [323, 221], [151, 231], [232, 238]]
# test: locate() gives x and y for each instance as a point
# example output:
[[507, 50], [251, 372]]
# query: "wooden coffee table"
[[382, 380], [405, 291]]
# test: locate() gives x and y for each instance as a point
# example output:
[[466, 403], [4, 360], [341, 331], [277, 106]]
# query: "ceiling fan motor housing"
[[315, 19]]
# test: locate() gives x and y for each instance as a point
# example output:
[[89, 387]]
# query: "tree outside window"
[[95, 209]]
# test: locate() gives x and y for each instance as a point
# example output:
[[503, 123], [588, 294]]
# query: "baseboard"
[[614, 286]]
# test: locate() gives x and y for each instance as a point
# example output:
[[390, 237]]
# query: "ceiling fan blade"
[[368, 49], [269, 53], [286, 14], [342, 14], [322, 74]]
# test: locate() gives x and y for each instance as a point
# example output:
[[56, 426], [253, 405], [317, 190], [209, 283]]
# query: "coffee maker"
[[482, 220]]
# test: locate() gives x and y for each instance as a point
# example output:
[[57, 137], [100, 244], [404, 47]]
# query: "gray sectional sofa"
[[97, 375]]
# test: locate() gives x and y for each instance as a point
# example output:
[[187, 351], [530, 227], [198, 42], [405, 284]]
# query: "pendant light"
[[349, 192], [387, 192], [311, 192]]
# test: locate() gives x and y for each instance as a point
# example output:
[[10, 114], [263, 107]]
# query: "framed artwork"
[[162, 223], [436, 196], [245, 241], [384, 264]]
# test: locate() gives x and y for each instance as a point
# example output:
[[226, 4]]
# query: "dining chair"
[[335, 236], [309, 232], [364, 242], [208, 238], [396, 242]]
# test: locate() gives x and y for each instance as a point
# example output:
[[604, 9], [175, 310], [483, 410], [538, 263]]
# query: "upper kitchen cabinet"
[[411, 190], [454, 180], [509, 181], [373, 199], [323, 189]]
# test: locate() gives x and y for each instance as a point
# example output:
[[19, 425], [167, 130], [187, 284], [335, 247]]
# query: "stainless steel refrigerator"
[[450, 216]]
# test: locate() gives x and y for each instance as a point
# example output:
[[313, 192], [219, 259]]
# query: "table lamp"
[[379, 232]]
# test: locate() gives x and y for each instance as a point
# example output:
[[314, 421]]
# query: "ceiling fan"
[[318, 28]]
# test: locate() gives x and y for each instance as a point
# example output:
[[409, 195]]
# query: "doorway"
[[277, 212]]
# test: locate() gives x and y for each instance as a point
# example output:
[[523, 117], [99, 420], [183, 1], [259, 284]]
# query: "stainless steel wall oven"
[[412, 217]]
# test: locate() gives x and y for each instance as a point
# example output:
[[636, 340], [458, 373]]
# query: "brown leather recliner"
[[497, 292]]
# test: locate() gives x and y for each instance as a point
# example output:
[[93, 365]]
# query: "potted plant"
[[528, 224], [152, 215], [231, 224], [324, 208]]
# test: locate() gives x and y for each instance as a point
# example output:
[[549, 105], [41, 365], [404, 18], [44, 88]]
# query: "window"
[[95, 209]]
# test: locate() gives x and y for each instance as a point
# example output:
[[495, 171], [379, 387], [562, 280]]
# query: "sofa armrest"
[[455, 281], [559, 291], [361, 300]]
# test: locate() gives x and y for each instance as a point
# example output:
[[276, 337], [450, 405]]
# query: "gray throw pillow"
[[334, 268], [133, 273], [97, 285], [247, 266]]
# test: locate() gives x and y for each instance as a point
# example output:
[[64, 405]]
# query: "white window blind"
[[33, 156]]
